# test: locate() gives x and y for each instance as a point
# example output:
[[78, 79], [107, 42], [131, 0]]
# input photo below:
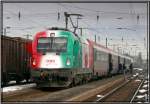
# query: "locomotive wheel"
[[72, 83], [27, 76], [5, 83], [27, 80], [82, 81], [18, 79], [85, 81], [5, 80]]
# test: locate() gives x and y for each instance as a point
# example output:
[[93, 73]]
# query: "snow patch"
[[140, 96], [142, 91], [137, 80], [100, 96], [145, 86], [15, 88]]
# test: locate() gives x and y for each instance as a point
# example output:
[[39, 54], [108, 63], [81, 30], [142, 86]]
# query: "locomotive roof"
[[64, 29], [58, 28]]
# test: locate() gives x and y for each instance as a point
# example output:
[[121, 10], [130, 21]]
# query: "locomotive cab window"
[[52, 44], [59, 44]]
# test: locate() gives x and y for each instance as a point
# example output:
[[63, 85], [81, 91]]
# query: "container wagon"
[[14, 59]]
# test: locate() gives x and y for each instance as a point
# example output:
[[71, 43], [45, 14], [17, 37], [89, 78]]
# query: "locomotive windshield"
[[52, 44]]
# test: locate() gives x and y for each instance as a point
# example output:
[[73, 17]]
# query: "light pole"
[[119, 48], [5, 30], [106, 42], [120, 28], [27, 36]]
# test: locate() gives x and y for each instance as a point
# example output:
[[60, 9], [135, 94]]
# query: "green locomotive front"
[[57, 59]]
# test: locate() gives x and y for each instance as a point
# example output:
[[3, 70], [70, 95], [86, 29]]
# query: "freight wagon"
[[14, 59], [60, 59]]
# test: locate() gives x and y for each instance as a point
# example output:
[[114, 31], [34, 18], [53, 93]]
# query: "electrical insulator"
[[97, 18], [58, 16], [19, 15]]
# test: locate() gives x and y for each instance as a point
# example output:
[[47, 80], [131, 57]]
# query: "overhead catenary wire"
[[100, 11], [96, 11], [68, 8], [38, 14], [29, 20], [91, 29], [27, 29]]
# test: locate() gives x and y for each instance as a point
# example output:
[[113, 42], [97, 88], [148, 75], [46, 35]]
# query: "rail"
[[112, 91], [137, 91]]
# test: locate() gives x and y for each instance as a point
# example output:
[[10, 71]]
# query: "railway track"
[[28, 94], [126, 92], [103, 97], [51, 94], [101, 88], [141, 94]]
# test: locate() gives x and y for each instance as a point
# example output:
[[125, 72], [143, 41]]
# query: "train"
[[60, 58], [15, 60]]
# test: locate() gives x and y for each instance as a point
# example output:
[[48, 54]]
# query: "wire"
[[96, 11], [30, 20], [65, 6], [40, 14]]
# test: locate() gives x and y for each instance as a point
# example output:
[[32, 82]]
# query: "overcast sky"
[[132, 17]]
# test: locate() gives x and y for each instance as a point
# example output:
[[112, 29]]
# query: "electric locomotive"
[[57, 59], [61, 59]]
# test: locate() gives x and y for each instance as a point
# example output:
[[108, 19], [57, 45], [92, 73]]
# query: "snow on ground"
[[12, 82], [145, 86], [136, 74], [140, 96], [138, 69], [146, 82], [142, 91], [137, 80], [17, 87]]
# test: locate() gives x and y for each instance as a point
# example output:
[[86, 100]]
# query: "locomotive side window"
[[75, 50], [52, 44]]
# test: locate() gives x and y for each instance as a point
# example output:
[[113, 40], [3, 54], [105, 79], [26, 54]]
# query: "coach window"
[[100, 56], [95, 54], [103, 57]]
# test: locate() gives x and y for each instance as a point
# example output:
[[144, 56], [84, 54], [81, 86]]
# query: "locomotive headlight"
[[34, 62], [68, 62]]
